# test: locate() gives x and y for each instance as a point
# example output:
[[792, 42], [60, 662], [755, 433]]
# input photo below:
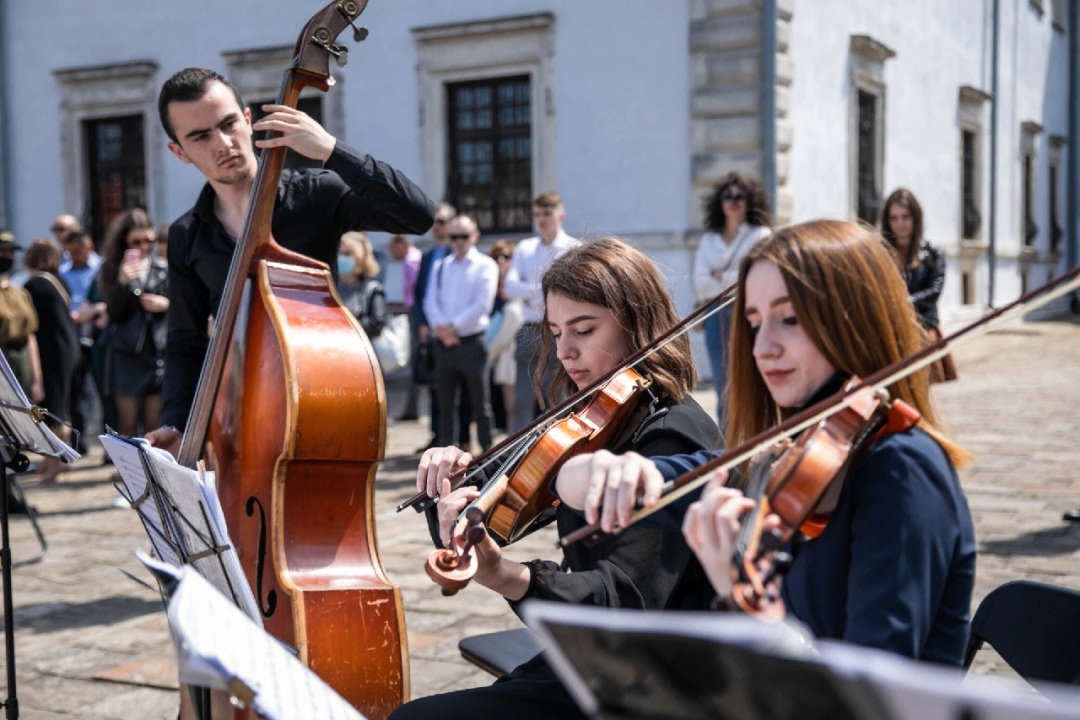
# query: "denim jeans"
[[716, 340]]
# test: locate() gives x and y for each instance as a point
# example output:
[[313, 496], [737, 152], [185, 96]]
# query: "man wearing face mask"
[[358, 285]]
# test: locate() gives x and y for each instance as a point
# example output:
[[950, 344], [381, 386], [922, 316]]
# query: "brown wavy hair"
[[757, 202], [609, 273], [851, 302]]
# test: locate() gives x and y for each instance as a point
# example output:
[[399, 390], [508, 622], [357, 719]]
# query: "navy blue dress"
[[895, 567]]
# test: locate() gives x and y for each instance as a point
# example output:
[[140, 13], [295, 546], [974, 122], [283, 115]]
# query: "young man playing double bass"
[[210, 128]]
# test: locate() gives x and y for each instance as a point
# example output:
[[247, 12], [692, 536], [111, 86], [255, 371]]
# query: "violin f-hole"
[[260, 559]]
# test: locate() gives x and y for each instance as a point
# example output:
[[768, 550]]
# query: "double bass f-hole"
[[260, 559]]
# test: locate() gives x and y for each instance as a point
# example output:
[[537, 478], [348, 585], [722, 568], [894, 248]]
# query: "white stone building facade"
[[630, 109]]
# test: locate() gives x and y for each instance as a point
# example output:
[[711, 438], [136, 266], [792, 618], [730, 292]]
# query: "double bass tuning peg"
[[350, 11]]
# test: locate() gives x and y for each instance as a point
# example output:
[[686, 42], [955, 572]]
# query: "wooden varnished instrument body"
[[290, 414], [298, 429]]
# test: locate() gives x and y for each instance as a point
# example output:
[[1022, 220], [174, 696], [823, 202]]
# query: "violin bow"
[[421, 502], [686, 483]]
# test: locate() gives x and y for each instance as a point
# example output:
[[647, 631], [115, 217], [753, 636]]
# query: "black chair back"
[[1034, 627]]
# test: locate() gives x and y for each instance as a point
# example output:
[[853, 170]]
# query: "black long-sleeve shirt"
[[314, 208], [924, 283], [642, 568]]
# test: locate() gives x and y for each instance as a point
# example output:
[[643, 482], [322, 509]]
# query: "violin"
[[837, 403], [514, 498], [421, 502], [792, 480]]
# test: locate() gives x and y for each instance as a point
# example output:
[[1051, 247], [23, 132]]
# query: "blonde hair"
[[851, 301], [359, 246]]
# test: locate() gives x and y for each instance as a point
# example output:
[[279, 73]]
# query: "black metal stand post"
[[10, 460]]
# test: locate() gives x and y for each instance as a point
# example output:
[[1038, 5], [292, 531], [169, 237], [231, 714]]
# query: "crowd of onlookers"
[[465, 322], [475, 318], [83, 325]]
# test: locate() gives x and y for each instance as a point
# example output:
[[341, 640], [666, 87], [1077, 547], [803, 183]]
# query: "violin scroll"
[[453, 568]]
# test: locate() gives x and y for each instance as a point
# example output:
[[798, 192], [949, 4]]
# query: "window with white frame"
[[971, 113], [108, 118], [867, 125], [487, 115], [490, 158], [1054, 191], [1030, 229]]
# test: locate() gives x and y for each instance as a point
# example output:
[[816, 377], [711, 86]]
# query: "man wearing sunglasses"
[[458, 306]]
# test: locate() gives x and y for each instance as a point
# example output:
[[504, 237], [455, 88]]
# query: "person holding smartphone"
[[134, 283]]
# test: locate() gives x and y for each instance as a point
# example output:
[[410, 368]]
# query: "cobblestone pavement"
[[93, 644]]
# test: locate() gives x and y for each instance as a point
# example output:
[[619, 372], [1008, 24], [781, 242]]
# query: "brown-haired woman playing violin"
[[817, 304], [604, 300]]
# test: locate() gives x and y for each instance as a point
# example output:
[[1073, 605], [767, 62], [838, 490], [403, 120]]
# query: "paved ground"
[[92, 644]]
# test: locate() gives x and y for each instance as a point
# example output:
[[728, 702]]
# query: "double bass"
[[290, 413]]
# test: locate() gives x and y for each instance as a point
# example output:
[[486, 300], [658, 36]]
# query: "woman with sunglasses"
[[603, 300], [817, 304], [737, 216], [134, 283]]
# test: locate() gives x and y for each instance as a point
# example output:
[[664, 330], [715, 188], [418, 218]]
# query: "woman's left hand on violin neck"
[[506, 577]]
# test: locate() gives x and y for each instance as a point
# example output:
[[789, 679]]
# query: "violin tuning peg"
[[341, 57], [359, 33]]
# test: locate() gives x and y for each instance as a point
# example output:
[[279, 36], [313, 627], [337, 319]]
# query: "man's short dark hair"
[[76, 237], [187, 85]]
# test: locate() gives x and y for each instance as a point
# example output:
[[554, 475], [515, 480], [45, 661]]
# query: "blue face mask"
[[346, 264]]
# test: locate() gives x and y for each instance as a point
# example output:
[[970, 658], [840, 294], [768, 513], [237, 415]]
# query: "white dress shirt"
[[532, 258], [461, 292], [714, 253]]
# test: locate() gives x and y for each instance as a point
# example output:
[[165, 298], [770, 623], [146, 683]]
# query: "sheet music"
[[216, 644], [31, 434], [904, 689], [192, 498]]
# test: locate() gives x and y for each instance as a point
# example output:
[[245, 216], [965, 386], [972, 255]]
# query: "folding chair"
[[1035, 628]]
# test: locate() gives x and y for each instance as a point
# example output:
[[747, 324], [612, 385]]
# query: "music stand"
[[22, 428], [183, 519], [622, 664]]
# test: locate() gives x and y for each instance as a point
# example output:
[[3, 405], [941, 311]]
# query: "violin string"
[[679, 487], [698, 316]]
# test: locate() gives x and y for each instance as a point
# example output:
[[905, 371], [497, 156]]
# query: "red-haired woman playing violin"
[[817, 304]]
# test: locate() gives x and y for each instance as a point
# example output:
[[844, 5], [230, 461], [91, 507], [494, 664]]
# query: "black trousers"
[[462, 363], [530, 692]]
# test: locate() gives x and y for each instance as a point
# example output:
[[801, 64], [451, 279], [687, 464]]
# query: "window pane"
[[867, 191], [490, 152], [116, 168]]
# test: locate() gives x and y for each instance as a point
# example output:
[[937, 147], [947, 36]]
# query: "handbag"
[[392, 344], [944, 368], [423, 366]]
